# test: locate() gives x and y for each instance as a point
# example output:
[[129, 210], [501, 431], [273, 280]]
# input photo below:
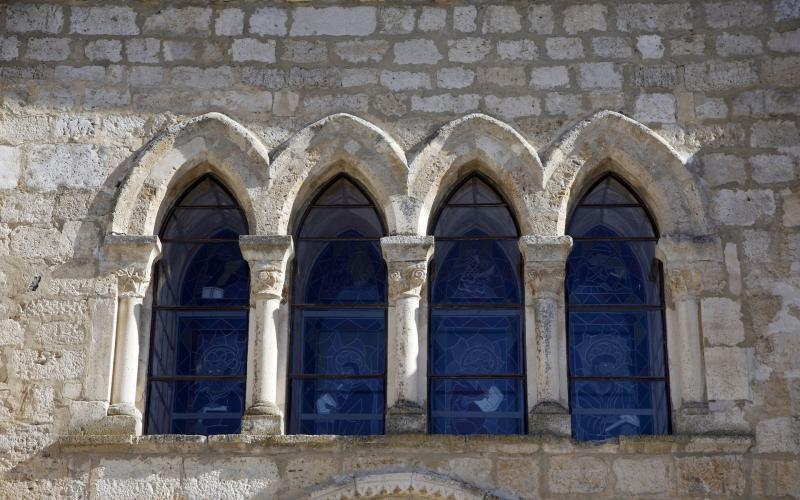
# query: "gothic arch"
[[339, 143], [208, 143], [399, 485], [489, 146], [611, 142]]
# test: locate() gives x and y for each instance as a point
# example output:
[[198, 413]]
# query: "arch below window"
[[615, 317], [338, 362], [198, 350], [476, 348]]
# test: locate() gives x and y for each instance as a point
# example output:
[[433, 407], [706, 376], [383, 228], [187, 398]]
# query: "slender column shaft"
[[126, 357]]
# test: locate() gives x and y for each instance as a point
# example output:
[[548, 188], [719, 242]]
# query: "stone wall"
[[695, 103]]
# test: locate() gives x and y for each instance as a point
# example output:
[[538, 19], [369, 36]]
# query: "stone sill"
[[504, 444]]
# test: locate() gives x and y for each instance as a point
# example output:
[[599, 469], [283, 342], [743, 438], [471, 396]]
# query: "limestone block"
[[603, 75], [269, 21], [229, 22], [642, 476], [94, 73], [432, 19], [501, 76], [22, 18], [475, 471], [564, 104], [336, 103], [788, 41], [782, 71], [104, 50], [549, 77], [571, 474], [27, 208], [416, 52], [61, 333], [333, 21], [501, 19], [33, 364], [48, 49], [541, 19], [232, 477], [54, 308], [655, 108], [564, 48], [304, 52], [10, 173], [361, 51], [33, 242], [106, 98], [727, 374], [211, 78], [405, 80], [611, 46], [38, 404], [782, 102], [713, 475], [721, 168], [778, 435], [74, 128], [464, 18], [737, 44], [468, 50], [177, 50], [580, 18], [774, 134], [720, 75], [650, 46], [446, 103], [786, 9], [133, 478], [520, 476], [776, 477], [314, 78], [115, 20], [743, 13], [173, 21], [9, 48], [397, 20], [742, 208], [454, 78], [272, 79], [143, 50], [654, 16], [710, 108], [250, 49], [357, 77], [302, 472], [517, 50], [721, 321], [11, 333], [513, 107]]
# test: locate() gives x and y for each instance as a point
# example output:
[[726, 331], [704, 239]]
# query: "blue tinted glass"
[[205, 223], [208, 193], [614, 344], [341, 341], [196, 407], [341, 272], [609, 192], [613, 222], [603, 409], [203, 274], [456, 221], [477, 406], [613, 272], [335, 222], [465, 342], [338, 406], [199, 343], [477, 271]]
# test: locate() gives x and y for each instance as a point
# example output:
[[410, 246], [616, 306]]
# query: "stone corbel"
[[545, 333], [130, 259], [407, 261], [268, 257], [686, 260]]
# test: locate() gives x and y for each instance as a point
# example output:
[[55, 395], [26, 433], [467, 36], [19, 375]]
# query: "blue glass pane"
[[343, 342], [474, 191], [327, 222], [208, 192], [342, 192], [195, 407], [616, 344], [203, 274], [615, 222], [477, 406], [478, 271], [338, 406], [603, 409], [205, 223], [475, 221], [613, 272], [199, 343], [479, 342], [609, 192], [340, 272]]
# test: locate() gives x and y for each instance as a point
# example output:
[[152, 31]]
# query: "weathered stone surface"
[[333, 21], [74, 165], [742, 208], [269, 21], [113, 20], [179, 21], [642, 476], [155, 477], [723, 475], [727, 373], [22, 18], [573, 475], [721, 321], [10, 173]]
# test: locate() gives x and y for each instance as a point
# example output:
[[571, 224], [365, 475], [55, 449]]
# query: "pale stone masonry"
[[109, 109]]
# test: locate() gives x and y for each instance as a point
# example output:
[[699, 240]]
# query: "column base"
[[265, 419], [702, 418], [120, 420], [550, 419], [406, 417]]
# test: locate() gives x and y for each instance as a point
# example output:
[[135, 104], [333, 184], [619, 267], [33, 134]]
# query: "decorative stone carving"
[[407, 278], [131, 282], [401, 484], [267, 283]]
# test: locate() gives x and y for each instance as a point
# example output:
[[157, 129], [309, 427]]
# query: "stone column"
[[407, 259], [131, 258], [686, 260], [545, 333], [268, 257]]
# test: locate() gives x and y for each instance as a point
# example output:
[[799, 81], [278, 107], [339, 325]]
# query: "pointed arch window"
[[338, 364], [476, 349], [615, 317], [198, 347]]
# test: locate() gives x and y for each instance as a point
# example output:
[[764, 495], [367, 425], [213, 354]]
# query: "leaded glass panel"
[[477, 271], [477, 406]]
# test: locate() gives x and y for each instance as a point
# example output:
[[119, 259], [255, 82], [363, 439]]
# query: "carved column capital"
[[130, 259], [268, 257], [407, 278], [407, 259], [545, 264]]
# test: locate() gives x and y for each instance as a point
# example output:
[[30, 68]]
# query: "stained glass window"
[[615, 310], [198, 349], [476, 374], [338, 361]]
